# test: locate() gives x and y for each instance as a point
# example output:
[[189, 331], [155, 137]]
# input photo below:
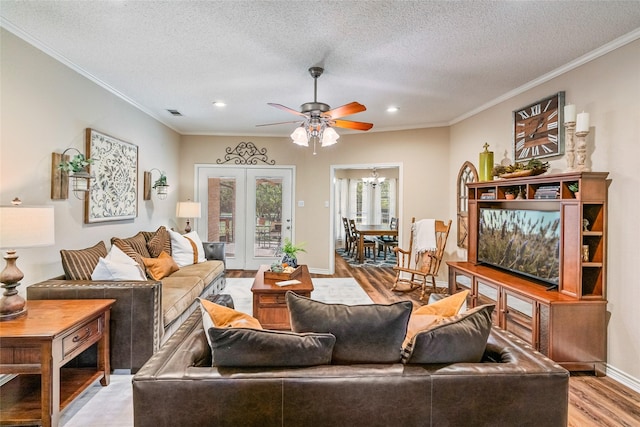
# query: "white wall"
[[45, 108], [609, 89]]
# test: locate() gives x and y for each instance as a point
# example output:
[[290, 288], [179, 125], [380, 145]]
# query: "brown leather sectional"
[[147, 312], [513, 386]]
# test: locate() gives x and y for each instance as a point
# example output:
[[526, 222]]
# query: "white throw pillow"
[[117, 266], [186, 249]]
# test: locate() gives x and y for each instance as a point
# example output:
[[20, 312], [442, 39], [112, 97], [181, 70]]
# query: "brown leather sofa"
[[513, 386], [146, 313]]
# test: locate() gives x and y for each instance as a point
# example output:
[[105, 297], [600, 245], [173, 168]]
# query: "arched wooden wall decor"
[[246, 153], [468, 173]]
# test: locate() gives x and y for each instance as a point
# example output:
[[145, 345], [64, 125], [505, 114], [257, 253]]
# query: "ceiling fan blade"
[[281, 123], [287, 109], [347, 124], [345, 110]]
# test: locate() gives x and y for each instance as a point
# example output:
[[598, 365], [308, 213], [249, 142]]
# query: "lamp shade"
[[188, 210], [329, 137], [26, 226], [299, 137]]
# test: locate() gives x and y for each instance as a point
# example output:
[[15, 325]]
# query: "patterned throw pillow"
[[79, 264], [135, 247], [159, 242], [187, 248]]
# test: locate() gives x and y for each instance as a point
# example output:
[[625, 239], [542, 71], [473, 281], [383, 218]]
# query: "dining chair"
[[414, 270], [368, 244], [348, 239], [387, 243]]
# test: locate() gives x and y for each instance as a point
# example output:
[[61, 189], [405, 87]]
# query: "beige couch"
[[146, 313]]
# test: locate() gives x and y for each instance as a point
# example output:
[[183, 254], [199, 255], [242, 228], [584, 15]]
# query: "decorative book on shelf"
[[547, 192], [489, 195]]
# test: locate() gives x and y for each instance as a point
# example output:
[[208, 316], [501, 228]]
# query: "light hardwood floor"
[[593, 401]]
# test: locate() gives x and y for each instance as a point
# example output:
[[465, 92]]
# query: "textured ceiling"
[[437, 61]]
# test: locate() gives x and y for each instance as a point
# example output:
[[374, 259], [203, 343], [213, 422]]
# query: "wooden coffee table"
[[38, 345], [269, 303]]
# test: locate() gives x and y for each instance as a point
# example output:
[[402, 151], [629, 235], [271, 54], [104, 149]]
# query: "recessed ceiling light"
[[392, 109], [219, 104]]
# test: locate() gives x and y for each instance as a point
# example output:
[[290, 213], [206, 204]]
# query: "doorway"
[[249, 208], [347, 199]]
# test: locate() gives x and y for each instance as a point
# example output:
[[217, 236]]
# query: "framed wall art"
[[113, 194]]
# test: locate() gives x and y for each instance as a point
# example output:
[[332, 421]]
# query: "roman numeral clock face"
[[536, 129]]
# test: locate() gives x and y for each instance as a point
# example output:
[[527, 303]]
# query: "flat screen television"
[[522, 241]]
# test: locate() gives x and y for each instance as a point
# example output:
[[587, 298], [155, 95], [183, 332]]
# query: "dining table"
[[372, 230]]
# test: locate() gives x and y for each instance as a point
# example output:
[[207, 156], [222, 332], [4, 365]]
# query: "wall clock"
[[538, 130]]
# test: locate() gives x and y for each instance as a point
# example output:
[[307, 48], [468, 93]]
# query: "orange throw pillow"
[[430, 315], [161, 267], [225, 317]]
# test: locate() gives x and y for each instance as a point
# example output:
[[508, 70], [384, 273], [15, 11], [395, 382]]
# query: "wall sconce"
[[160, 185], [76, 168], [188, 210]]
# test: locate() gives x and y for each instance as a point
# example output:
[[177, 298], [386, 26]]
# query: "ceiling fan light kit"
[[319, 119]]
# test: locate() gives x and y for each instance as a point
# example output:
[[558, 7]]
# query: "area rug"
[[112, 406], [368, 262], [344, 290]]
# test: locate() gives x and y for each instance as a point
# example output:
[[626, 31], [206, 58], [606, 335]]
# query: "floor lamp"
[[21, 227]]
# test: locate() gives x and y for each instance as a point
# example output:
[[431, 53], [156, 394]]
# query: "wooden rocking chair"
[[412, 269]]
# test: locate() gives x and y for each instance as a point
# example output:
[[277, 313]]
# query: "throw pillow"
[[79, 264], [186, 249], [158, 242], [241, 347], [429, 315], [135, 247], [161, 267], [218, 316], [117, 266], [364, 333], [225, 317], [457, 339]]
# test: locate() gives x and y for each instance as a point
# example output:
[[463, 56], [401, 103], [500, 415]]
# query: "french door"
[[249, 208]]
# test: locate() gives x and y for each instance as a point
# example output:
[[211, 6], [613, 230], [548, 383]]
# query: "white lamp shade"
[[329, 137], [188, 210], [299, 137], [26, 226]]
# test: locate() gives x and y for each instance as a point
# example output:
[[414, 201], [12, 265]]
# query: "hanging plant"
[[78, 163]]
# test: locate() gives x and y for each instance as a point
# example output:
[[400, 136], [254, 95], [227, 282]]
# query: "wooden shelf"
[[21, 395]]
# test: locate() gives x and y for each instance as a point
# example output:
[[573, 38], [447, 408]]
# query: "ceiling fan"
[[318, 119]]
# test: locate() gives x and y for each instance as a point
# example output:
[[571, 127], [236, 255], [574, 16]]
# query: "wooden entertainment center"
[[568, 323]]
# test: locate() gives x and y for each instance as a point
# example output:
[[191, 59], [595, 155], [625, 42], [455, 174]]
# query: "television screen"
[[522, 241]]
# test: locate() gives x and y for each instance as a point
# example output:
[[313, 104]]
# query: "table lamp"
[[21, 227], [188, 210]]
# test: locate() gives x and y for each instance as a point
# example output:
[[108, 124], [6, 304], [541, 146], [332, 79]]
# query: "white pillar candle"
[[569, 113], [582, 124]]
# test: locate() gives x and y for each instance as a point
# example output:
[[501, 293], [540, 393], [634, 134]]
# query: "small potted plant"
[[510, 193], [77, 168], [290, 252], [161, 185], [574, 187]]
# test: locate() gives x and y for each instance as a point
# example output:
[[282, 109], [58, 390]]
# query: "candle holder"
[[581, 151], [570, 145]]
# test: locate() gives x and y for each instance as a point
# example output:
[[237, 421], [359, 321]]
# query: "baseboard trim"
[[623, 378]]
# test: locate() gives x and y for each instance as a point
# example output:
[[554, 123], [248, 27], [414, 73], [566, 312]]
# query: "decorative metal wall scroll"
[[246, 153], [113, 194]]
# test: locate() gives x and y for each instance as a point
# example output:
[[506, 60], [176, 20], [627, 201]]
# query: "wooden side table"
[[269, 302], [38, 345]]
